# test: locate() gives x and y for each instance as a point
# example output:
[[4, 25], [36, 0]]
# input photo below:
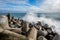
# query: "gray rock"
[[38, 27], [26, 27], [42, 33], [41, 38], [57, 37], [49, 31]]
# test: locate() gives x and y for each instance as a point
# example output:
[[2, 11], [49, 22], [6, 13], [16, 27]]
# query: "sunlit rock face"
[[4, 22], [33, 34]]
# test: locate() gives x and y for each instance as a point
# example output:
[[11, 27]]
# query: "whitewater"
[[33, 18]]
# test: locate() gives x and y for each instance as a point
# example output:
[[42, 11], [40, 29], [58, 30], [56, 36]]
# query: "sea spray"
[[54, 24], [30, 17]]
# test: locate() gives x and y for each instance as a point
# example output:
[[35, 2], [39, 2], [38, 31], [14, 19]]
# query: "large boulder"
[[33, 34], [42, 33], [4, 22]]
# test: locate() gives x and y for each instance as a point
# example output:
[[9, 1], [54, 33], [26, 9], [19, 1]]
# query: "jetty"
[[18, 29]]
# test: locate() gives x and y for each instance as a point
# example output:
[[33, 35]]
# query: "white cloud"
[[14, 5], [50, 6], [16, 1]]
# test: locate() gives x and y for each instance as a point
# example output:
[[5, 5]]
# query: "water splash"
[[55, 25]]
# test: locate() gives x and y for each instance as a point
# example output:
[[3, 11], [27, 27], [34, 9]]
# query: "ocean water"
[[15, 14], [52, 19], [55, 16]]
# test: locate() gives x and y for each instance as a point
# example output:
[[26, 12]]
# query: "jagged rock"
[[41, 38]]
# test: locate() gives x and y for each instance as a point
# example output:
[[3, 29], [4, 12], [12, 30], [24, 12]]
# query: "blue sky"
[[35, 2], [18, 5], [42, 6]]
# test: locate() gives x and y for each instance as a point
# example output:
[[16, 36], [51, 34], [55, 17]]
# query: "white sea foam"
[[55, 25]]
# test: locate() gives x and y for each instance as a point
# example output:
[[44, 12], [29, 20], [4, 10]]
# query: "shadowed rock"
[[13, 20], [42, 33], [57, 37], [46, 26], [9, 16], [19, 23], [30, 25], [49, 30], [41, 38], [39, 23], [38, 27], [25, 28], [12, 34]]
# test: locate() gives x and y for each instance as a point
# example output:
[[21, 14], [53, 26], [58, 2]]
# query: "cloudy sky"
[[42, 6]]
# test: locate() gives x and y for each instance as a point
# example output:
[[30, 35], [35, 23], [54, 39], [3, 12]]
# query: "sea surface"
[[55, 16], [15, 14]]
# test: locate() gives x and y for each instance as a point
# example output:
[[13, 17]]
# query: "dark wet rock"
[[49, 37], [49, 30], [57, 37], [38, 27], [38, 23], [42, 33], [25, 29], [41, 38], [9, 16], [53, 33], [46, 26], [30, 25], [13, 20]]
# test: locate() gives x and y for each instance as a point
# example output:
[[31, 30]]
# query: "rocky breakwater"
[[18, 29]]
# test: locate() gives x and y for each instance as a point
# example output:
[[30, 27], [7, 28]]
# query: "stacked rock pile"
[[18, 29]]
